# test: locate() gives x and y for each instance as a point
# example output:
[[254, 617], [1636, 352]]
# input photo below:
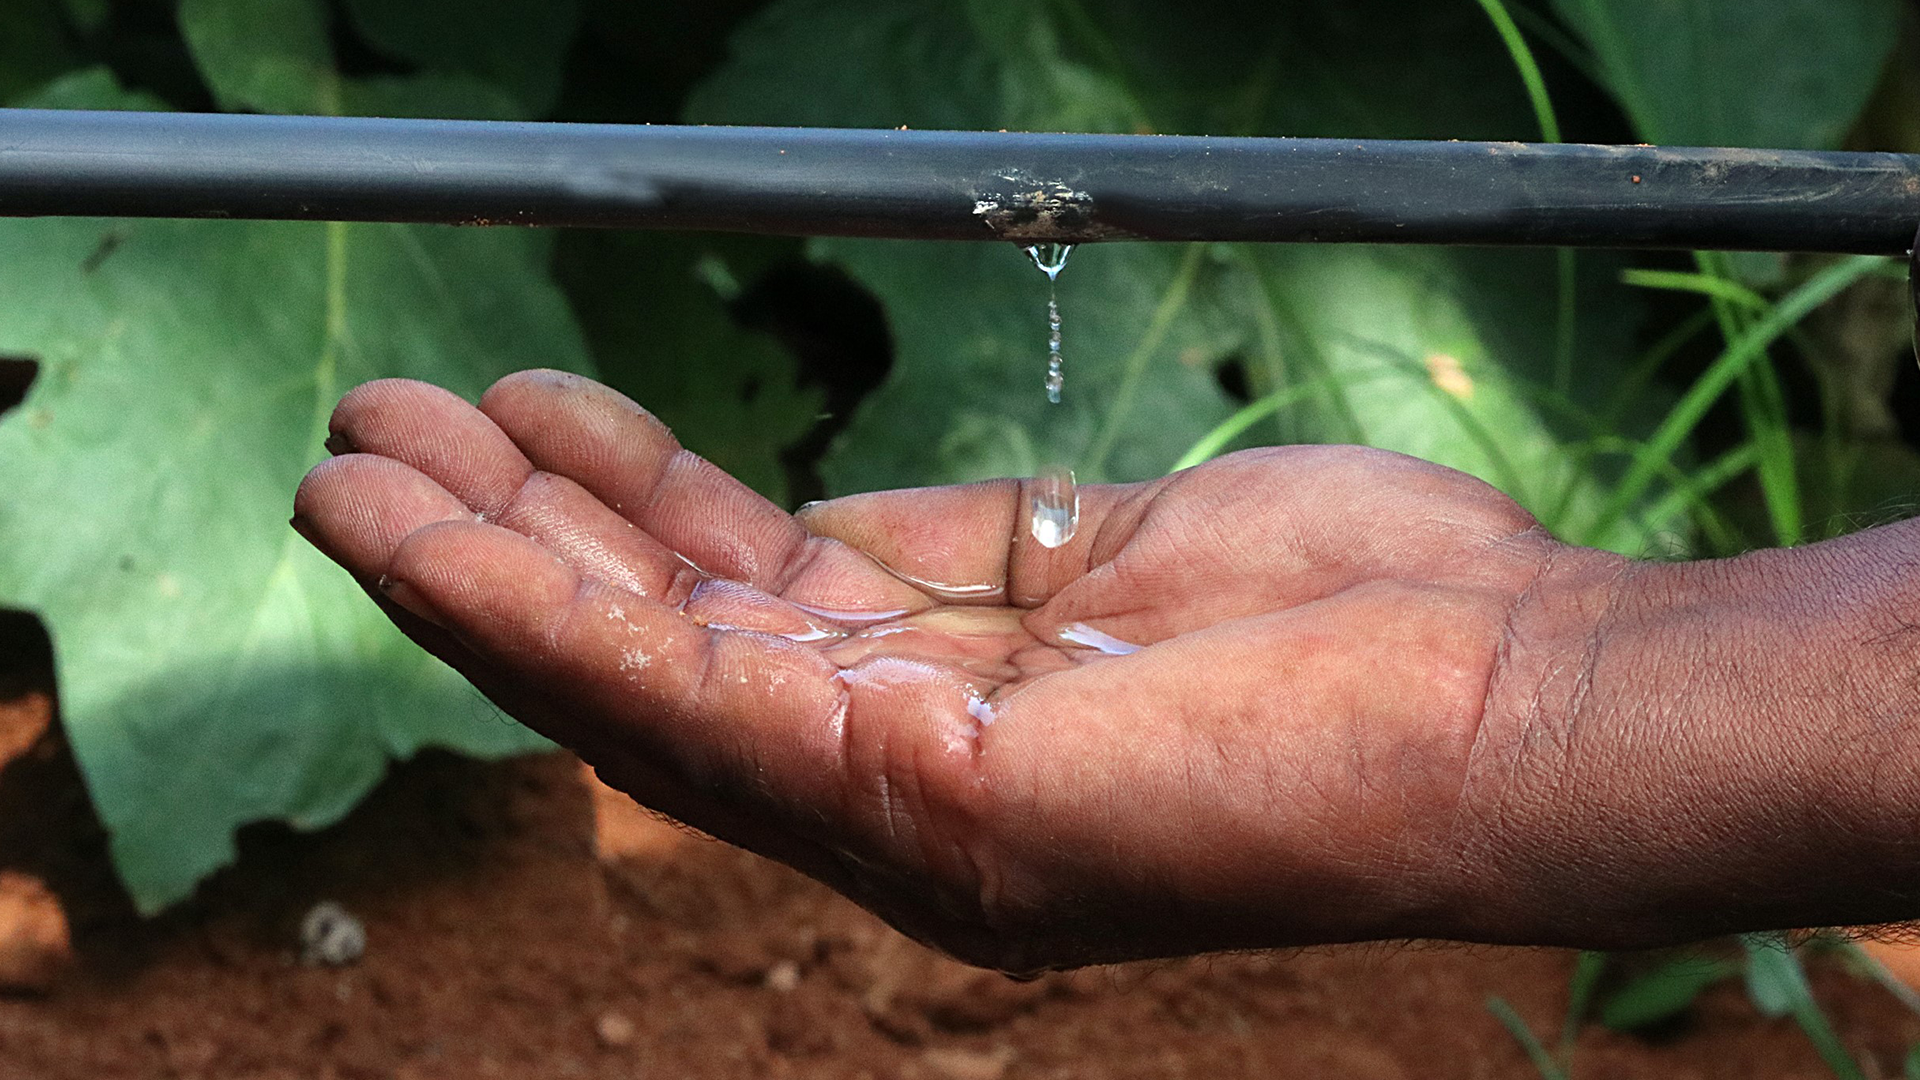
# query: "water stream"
[[1055, 500]]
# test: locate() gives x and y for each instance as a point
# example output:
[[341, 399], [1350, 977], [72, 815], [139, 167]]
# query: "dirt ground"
[[521, 922]]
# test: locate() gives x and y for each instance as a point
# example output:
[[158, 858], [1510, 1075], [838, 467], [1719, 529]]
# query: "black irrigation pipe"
[[953, 185]]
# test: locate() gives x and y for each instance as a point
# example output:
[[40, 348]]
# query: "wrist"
[[1680, 750]]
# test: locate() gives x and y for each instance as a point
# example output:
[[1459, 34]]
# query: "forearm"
[[1707, 747]]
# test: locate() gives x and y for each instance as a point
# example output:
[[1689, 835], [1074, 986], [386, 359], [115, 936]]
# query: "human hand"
[[1271, 700]]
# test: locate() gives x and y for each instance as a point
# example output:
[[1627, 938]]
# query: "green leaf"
[[662, 335], [33, 48], [1775, 980], [1538, 1055], [213, 669], [922, 63], [87, 15], [964, 400], [88, 88], [1664, 992], [1144, 326], [1444, 355], [1778, 986], [269, 56], [517, 46], [430, 96], [1771, 73]]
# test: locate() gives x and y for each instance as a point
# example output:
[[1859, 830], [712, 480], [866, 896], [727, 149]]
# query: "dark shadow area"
[[26, 655], [837, 333], [635, 63], [1231, 377], [16, 378], [354, 55], [140, 40], [48, 828]]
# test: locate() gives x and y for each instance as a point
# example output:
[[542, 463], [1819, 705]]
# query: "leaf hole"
[[16, 378], [837, 334]]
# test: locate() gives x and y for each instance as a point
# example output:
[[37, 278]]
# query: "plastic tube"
[[953, 185]]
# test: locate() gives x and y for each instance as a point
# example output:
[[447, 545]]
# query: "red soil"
[[508, 936]]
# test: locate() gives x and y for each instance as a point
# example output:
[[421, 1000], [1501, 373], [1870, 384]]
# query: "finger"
[[751, 720], [615, 449], [718, 708], [975, 543], [460, 449], [1275, 528], [437, 433], [358, 508]]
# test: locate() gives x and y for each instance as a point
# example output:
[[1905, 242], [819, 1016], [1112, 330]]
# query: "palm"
[[1027, 755]]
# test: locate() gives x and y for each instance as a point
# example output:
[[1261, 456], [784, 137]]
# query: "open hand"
[[1244, 706]]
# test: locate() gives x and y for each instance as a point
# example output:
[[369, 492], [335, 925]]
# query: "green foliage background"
[[215, 672]]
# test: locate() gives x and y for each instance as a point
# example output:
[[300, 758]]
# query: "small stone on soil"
[[329, 934], [614, 1030], [955, 1063], [783, 977]]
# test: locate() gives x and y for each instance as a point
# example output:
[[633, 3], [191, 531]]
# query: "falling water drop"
[[1051, 259], [1056, 506]]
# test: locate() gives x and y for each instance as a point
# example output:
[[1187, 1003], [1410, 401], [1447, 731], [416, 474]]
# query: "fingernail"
[[408, 598], [338, 443]]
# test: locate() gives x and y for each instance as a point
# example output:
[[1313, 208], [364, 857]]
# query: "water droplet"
[[1087, 637], [951, 592], [1056, 506], [1051, 259], [981, 710]]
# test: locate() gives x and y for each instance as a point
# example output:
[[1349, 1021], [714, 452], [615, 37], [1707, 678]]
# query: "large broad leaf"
[[266, 55], [1771, 73], [515, 45], [33, 46], [1440, 354], [275, 56], [1447, 355], [923, 63], [661, 333], [965, 400], [214, 670]]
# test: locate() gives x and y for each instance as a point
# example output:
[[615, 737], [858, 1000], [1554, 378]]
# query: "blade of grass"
[[1136, 363], [1506, 477], [1543, 1062], [1705, 284], [1562, 43], [1630, 388], [1529, 70], [1764, 410], [1586, 975], [1737, 357], [1649, 363], [1778, 985], [1690, 492], [1665, 991], [1880, 973], [1210, 444], [1543, 114], [1272, 307]]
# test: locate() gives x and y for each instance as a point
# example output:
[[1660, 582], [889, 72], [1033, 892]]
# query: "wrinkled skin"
[[879, 693]]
